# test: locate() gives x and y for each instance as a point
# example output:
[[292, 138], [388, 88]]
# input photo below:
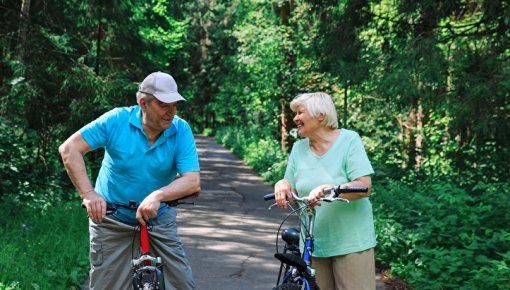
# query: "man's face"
[[158, 115]]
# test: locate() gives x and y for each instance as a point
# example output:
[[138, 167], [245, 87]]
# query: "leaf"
[[482, 259]]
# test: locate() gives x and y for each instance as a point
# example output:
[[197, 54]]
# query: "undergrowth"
[[43, 249]]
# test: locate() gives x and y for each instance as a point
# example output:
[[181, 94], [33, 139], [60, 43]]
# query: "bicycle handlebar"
[[345, 189], [111, 208], [328, 198], [333, 193]]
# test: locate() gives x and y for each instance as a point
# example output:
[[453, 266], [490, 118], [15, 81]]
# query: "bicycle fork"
[[146, 269], [307, 255], [145, 257]]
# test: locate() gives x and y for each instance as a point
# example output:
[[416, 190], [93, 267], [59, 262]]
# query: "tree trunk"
[[284, 131], [23, 28], [418, 158], [99, 35], [205, 42], [284, 14]]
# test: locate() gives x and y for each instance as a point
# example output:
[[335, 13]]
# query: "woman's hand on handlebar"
[[96, 206], [282, 193], [317, 193]]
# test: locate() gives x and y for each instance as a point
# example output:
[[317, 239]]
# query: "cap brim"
[[170, 98]]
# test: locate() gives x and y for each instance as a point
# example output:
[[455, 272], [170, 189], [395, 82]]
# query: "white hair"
[[140, 95], [317, 104]]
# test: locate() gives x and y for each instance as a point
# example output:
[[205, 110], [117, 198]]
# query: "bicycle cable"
[[135, 230], [289, 215]]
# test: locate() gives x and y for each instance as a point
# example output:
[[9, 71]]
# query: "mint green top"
[[340, 228]]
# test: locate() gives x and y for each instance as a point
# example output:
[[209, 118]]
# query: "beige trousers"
[[354, 271]]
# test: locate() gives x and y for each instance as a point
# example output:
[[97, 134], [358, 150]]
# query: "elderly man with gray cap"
[[146, 147]]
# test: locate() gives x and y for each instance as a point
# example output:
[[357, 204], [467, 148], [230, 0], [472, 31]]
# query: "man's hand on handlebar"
[[96, 206], [149, 207]]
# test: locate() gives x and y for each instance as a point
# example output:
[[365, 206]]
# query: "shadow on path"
[[229, 234]]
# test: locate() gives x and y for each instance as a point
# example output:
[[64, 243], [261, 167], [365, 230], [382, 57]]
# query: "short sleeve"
[[357, 163], [290, 171], [95, 133], [186, 153]]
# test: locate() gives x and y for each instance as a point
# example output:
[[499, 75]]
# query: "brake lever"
[[332, 199], [275, 204], [176, 203], [342, 199]]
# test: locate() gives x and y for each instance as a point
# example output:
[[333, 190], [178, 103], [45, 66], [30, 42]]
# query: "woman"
[[344, 235]]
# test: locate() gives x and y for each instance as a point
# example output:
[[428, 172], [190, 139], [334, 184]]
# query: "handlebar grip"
[[269, 196], [347, 189], [352, 189], [110, 208], [176, 202]]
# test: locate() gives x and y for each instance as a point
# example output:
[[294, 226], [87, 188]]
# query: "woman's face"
[[306, 124]]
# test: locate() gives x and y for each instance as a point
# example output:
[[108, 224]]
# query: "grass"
[[43, 250]]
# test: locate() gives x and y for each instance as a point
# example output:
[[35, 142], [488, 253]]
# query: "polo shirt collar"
[[135, 119]]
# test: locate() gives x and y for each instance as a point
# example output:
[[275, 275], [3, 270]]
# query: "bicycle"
[[296, 265], [147, 269]]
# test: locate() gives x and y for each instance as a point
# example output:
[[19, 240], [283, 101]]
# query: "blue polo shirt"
[[131, 169]]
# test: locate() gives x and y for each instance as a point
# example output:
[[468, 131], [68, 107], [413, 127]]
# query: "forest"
[[425, 83]]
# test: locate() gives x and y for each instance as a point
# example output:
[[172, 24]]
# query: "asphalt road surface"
[[229, 234]]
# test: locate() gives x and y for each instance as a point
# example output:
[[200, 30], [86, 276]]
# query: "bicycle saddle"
[[290, 235]]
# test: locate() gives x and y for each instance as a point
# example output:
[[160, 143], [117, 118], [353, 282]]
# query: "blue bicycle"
[[296, 266]]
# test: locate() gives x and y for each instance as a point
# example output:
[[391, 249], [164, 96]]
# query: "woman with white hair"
[[344, 236]]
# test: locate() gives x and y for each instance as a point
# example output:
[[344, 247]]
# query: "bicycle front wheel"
[[148, 278], [288, 286]]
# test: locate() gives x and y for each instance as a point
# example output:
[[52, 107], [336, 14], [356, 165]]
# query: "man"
[[146, 146]]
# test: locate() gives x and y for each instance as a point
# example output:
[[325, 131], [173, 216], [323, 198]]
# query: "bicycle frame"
[[144, 242], [295, 273]]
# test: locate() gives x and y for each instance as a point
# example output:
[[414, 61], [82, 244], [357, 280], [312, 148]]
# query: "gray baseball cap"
[[162, 86]]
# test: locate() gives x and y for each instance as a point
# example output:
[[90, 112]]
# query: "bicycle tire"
[[287, 286], [313, 284], [148, 278], [293, 286]]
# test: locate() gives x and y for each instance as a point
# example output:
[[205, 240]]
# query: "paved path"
[[229, 234]]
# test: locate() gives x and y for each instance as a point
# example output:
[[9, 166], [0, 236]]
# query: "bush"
[[261, 152], [437, 236]]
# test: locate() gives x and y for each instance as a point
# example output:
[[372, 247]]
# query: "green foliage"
[[43, 250], [26, 174], [437, 231]]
